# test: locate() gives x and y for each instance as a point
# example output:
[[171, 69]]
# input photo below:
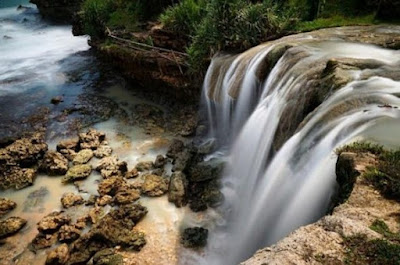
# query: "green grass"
[[361, 147]]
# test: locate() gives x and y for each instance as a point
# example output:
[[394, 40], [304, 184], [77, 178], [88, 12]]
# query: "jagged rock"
[[207, 147], [107, 257], [132, 174], [190, 127], [194, 237], [54, 163], [176, 147], [206, 170], [144, 166], [82, 221], [111, 185], [58, 256], [111, 166], [77, 172], [204, 194], [52, 222], [177, 189], [92, 139], [82, 157], [56, 100], [92, 200], [154, 185], [59, 11], [104, 200], [158, 172], [70, 199], [42, 241], [198, 205], [182, 160], [6, 206], [160, 161], [103, 151], [68, 233], [16, 177], [126, 195], [11, 226], [68, 148]]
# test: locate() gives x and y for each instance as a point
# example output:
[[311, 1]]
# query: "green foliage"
[[361, 147], [381, 227], [96, 14]]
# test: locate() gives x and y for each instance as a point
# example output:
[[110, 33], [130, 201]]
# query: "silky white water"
[[272, 189]]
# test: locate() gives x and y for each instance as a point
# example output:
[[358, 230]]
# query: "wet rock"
[[111, 185], [11, 226], [160, 161], [68, 233], [54, 163], [82, 157], [82, 250], [52, 222], [154, 185], [82, 221], [103, 151], [177, 189], [144, 166], [35, 200], [126, 195], [6, 206], [204, 194], [68, 148], [16, 177], [206, 170], [207, 147], [56, 100], [194, 237], [42, 241], [198, 205], [58, 256], [189, 128], [92, 200], [111, 166], [77, 172], [92, 139], [95, 214], [59, 11], [70, 199], [201, 130], [176, 147], [132, 174], [107, 257], [158, 172], [182, 160], [104, 200]]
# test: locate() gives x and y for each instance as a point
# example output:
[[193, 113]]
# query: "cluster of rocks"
[[12, 224]]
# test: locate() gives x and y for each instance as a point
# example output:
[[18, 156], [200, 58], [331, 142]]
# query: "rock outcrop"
[[60, 10]]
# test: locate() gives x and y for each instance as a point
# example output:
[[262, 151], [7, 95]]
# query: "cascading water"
[[286, 106]]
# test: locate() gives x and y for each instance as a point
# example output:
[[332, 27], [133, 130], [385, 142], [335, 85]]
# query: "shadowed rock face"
[[389, 10], [59, 10]]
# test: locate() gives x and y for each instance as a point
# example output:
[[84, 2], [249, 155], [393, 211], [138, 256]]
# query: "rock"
[[6, 206], [68, 233], [154, 185], [95, 214], [92, 139], [58, 256], [388, 10], [52, 222], [176, 147], [82, 221], [207, 147], [111, 185], [16, 177], [194, 237], [189, 127], [54, 163], [206, 170], [82, 157], [35, 200], [56, 100], [182, 160], [111, 166], [132, 174], [177, 189], [58, 11], [107, 257], [160, 161], [204, 194], [68, 148], [144, 166], [158, 172], [198, 205], [11, 226], [103, 151], [42, 241], [70, 199], [126, 195], [77, 172], [104, 200], [92, 200], [201, 130]]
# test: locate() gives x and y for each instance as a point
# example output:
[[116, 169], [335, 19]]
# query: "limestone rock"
[[132, 174], [160, 161], [42, 241], [68, 233], [70, 199], [144, 166], [11, 226], [54, 163], [111, 185], [82, 157], [68, 148], [16, 177], [92, 139], [104, 200], [126, 195], [176, 147], [206, 170], [194, 237], [103, 151], [107, 257], [154, 185], [53, 222], [177, 190], [77, 172], [58, 256], [6, 206], [111, 166]]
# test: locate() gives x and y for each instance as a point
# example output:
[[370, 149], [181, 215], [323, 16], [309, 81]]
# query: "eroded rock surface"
[[54, 163], [11, 226], [77, 172], [111, 166], [71, 199], [154, 185], [6, 206]]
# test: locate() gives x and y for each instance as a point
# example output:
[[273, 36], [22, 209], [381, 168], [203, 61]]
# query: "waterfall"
[[283, 108]]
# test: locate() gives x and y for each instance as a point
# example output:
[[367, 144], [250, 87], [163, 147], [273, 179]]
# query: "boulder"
[[132, 174], [77, 172], [154, 185], [52, 222], [111, 185], [58, 11], [70, 199], [107, 257], [126, 195], [68, 148], [104, 200], [58, 256], [175, 147], [11, 226], [68, 233], [42, 241], [82, 157], [92, 139], [160, 161], [17, 177], [6, 206], [54, 163], [56, 100], [144, 166], [194, 237], [103, 151], [177, 190], [111, 166], [206, 170]]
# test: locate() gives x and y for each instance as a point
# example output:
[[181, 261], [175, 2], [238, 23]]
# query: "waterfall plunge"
[[283, 176]]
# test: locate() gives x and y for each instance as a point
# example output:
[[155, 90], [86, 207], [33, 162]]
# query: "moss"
[[361, 147]]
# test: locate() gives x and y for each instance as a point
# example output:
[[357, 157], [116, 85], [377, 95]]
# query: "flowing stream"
[[282, 161]]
